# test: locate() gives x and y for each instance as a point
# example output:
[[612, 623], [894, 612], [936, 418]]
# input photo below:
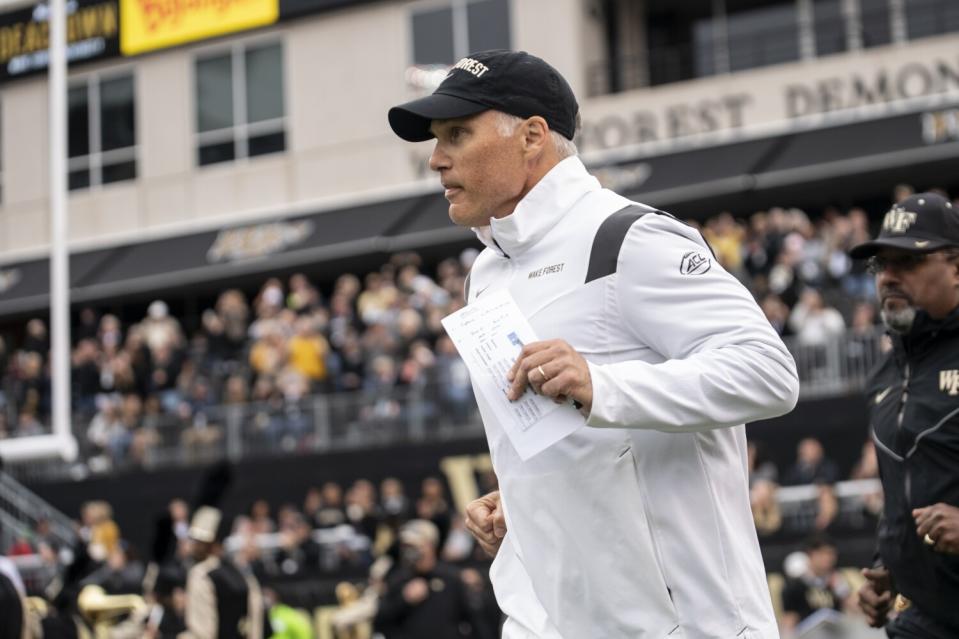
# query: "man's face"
[[483, 171], [908, 282], [822, 560]]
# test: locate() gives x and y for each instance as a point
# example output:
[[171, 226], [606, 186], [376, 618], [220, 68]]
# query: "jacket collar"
[[924, 329], [540, 210]]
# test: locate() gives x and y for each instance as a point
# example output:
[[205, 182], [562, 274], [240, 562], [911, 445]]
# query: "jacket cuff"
[[600, 415]]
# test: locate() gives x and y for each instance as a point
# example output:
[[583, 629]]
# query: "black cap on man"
[[513, 82], [921, 223]]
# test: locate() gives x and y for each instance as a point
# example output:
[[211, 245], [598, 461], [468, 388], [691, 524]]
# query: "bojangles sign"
[[147, 25]]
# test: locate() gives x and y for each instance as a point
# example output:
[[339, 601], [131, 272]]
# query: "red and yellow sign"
[[147, 25]]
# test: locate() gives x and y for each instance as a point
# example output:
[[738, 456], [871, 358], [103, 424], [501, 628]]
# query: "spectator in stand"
[[260, 518], [166, 368], [861, 339], [456, 391], [160, 329], [726, 237], [432, 506], [99, 530], [361, 508], [268, 354], [332, 512], [36, 340], [298, 551], [28, 425], [303, 297], [343, 320], [814, 323], [140, 359], [119, 574], [858, 281], [86, 376], [394, 505], [31, 390], [783, 280], [777, 313], [813, 467], [312, 504], [763, 476], [820, 587], [308, 351], [381, 403], [901, 191], [418, 369], [868, 468], [377, 298], [268, 302], [109, 333], [104, 430], [350, 364], [21, 547]]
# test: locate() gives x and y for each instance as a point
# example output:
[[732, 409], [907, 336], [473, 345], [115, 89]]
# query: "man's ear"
[[535, 135]]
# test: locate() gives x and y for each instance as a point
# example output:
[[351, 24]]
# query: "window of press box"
[[438, 38], [240, 103], [759, 36], [925, 18], [875, 19], [101, 131], [829, 27]]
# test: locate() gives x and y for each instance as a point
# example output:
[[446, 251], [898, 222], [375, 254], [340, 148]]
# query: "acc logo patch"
[[695, 263]]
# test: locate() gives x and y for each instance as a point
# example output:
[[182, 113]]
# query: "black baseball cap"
[[514, 82], [921, 223]]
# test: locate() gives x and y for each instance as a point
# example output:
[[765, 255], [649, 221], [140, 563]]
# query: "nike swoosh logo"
[[881, 396], [480, 292], [921, 243]]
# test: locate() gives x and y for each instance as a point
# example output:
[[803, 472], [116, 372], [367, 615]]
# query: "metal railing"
[[21, 509], [838, 365]]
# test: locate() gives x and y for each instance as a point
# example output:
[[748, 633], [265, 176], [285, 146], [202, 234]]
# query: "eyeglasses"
[[903, 262]]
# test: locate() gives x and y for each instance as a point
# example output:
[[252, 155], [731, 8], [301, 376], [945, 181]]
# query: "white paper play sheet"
[[489, 334]]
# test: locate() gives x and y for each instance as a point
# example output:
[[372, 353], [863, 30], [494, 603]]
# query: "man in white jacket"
[[638, 524]]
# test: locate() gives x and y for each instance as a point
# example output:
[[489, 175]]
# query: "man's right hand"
[[875, 596], [486, 522]]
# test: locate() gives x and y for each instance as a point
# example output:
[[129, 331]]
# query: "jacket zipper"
[[903, 398]]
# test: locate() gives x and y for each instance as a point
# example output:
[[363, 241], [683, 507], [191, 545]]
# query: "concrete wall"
[[342, 71]]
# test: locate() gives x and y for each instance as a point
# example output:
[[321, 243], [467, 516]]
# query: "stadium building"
[[215, 145]]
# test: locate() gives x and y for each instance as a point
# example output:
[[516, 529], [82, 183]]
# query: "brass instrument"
[[98, 607]]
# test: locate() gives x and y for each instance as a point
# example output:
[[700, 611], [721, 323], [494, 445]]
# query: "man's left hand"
[[941, 523], [554, 369]]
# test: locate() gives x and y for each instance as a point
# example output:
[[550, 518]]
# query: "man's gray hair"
[[506, 125]]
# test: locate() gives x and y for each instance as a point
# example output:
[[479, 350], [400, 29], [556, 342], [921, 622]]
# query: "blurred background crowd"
[[173, 380]]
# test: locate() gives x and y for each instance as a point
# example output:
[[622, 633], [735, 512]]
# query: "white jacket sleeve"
[[723, 363]]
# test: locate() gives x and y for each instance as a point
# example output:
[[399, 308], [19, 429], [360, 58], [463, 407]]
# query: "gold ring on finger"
[[929, 541], [542, 372]]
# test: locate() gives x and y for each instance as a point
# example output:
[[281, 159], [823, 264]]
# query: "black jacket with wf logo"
[[914, 399]]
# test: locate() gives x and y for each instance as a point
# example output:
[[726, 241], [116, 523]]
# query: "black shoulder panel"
[[609, 239]]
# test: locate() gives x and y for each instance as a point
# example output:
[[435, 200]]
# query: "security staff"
[[222, 602], [915, 420]]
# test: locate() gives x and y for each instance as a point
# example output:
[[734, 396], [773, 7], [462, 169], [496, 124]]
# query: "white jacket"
[[638, 525]]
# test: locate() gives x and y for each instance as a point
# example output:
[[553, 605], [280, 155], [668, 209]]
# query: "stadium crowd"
[[377, 336], [339, 533], [336, 535]]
